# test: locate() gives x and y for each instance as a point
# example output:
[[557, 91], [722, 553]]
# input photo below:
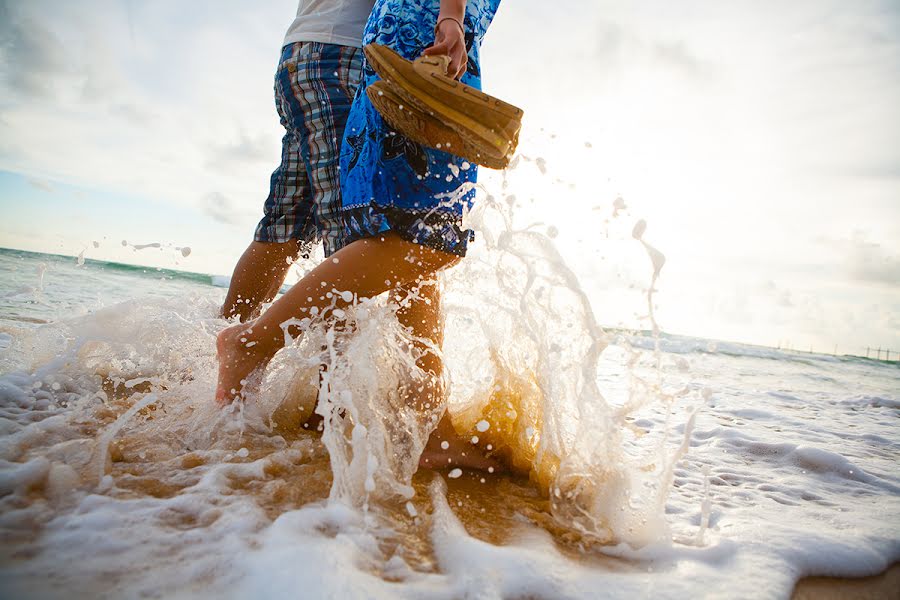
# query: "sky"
[[758, 139]]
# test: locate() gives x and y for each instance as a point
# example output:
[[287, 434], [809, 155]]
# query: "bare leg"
[[445, 447], [422, 314], [365, 268], [258, 276]]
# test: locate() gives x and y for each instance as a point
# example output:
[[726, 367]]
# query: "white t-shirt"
[[330, 21]]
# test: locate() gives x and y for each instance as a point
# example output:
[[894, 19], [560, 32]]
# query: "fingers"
[[457, 53], [458, 60], [457, 67], [461, 68], [439, 47], [449, 40]]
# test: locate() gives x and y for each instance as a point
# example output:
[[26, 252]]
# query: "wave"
[[681, 344], [136, 270]]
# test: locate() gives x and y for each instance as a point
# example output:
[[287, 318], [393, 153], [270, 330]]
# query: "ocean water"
[[649, 465]]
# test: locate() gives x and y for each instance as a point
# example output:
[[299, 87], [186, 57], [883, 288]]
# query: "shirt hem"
[[322, 38]]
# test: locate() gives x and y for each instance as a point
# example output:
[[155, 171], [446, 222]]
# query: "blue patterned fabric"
[[388, 182]]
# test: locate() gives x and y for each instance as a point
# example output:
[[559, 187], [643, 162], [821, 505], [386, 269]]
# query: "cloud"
[[784, 299], [32, 54], [857, 259], [73, 68], [621, 49], [220, 208], [136, 113], [120, 97], [875, 170], [243, 151], [40, 184], [871, 262], [679, 56]]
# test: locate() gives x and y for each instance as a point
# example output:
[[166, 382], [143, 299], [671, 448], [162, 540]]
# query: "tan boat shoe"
[[416, 122], [419, 100]]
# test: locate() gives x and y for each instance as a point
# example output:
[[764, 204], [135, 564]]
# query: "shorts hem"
[[437, 230]]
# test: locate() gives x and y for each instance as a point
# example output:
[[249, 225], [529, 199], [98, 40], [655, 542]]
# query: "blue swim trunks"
[[390, 183], [314, 87]]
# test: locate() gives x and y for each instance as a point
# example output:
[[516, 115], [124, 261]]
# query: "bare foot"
[[239, 360], [445, 449]]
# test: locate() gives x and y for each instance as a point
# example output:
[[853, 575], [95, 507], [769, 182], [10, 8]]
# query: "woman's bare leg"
[[364, 268], [422, 315]]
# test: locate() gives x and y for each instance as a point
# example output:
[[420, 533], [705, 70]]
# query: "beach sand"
[[880, 587]]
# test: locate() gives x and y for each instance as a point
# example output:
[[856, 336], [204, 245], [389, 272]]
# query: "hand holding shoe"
[[449, 40]]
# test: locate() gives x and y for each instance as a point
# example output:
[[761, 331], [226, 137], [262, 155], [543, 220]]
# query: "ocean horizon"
[[222, 281]]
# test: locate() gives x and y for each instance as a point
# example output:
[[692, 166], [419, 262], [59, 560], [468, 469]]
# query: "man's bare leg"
[[258, 276], [423, 316]]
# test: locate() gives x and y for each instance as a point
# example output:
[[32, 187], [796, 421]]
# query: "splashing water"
[[528, 345], [111, 412], [374, 435], [521, 351]]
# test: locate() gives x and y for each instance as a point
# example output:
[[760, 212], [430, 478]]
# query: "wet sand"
[[880, 587]]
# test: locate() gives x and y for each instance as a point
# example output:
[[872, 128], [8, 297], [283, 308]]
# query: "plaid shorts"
[[314, 88]]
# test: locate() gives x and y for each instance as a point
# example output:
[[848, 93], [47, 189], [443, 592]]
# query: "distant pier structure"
[[877, 352]]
